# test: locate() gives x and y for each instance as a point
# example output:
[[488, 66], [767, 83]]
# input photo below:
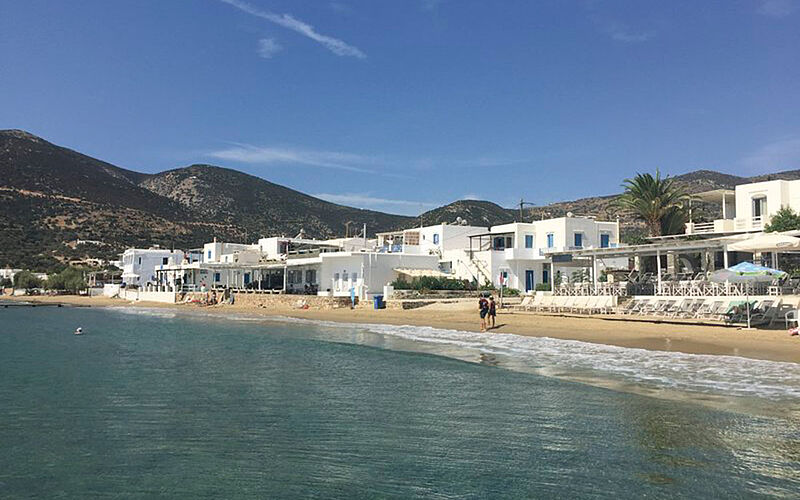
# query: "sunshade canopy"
[[747, 272], [774, 242]]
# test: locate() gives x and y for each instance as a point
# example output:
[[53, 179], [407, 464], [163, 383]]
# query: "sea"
[[154, 403]]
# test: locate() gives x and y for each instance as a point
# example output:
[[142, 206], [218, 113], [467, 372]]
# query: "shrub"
[[542, 287], [784, 219], [424, 283], [70, 279], [26, 280]]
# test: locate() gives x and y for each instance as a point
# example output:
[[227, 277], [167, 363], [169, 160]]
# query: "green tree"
[[658, 201], [26, 280], [784, 219], [70, 279]]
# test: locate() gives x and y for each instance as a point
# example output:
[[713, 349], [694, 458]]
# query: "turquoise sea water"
[[156, 404]]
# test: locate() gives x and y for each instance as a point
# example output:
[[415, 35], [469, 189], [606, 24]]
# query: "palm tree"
[[659, 202]]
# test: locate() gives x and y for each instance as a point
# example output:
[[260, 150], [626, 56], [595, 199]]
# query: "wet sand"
[[773, 344]]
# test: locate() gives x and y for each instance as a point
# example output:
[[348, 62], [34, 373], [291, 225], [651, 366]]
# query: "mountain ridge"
[[52, 196]]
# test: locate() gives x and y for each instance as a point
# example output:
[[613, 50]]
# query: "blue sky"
[[406, 105]]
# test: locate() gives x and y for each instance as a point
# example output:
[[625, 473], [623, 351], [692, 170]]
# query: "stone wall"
[[289, 301]]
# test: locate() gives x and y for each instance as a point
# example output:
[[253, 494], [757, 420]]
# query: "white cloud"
[[431, 4], [621, 33], [777, 8], [366, 201], [627, 37], [779, 155], [245, 153], [338, 47], [268, 47]]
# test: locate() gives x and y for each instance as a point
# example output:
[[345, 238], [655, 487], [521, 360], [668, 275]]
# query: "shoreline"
[[771, 345]]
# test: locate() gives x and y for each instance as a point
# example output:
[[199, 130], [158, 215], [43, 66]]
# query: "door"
[[604, 241], [528, 280], [545, 276]]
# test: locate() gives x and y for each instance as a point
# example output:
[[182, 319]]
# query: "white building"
[[449, 242], [519, 254], [749, 207], [8, 273], [294, 265], [139, 264]]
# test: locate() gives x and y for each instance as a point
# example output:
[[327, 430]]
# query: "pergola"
[[590, 256], [485, 241]]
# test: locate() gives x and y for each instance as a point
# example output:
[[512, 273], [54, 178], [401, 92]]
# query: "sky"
[[405, 105]]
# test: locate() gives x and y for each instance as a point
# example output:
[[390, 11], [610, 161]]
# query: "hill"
[[59, 206], [475, 212]]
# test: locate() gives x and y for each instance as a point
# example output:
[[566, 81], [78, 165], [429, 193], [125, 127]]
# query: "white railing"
[[749, 224], [703, 227]]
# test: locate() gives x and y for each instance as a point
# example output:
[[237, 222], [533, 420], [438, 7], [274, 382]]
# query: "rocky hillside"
[[52, 200], [475, 212], [52, 197], [259, 207]]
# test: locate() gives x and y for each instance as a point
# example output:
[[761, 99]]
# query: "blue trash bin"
[[378, 301]]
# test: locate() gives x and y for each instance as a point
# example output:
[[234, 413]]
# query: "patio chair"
[[577, 304], [545, 303], [654, 308], [690, 308], [643, 305], [606, 304], [664, 308], [675, 307], [792, 316]]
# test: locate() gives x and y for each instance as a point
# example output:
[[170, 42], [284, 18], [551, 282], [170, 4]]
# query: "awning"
[[774, 242]]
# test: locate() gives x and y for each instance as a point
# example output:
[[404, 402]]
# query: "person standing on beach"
[[483, 309], [492, 310]]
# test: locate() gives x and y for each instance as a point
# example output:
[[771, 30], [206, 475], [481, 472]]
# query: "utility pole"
[[347, 228]]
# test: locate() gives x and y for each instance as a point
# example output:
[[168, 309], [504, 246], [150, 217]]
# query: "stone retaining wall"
[[284, 301]]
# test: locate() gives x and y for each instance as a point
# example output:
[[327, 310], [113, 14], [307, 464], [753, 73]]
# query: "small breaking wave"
[[711, 374]]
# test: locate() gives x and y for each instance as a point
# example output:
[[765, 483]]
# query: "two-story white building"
[[139, 264], [747, 208], [518, 255]]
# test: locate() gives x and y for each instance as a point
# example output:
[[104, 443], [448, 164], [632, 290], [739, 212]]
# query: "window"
[[335, 276], [579, 240], [246, 278], [605, 239], [209, 255], [528, 241], [139, 261], [345, 276], [311, 276], [550, 240], [499, 243], [164, 261], [355, 276], [435, 238], [759, 206], [216, 277]]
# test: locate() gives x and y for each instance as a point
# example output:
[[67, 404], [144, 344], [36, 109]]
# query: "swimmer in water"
[[79, 331]]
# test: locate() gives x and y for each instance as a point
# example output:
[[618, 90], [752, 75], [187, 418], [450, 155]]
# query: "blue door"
[[545, 276], [528, 280], [604, 240], [246, 278]]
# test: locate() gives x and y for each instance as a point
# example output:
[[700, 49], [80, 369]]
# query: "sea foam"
[[713, 374]]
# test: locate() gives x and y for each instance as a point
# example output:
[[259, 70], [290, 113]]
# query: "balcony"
[[726, 226]]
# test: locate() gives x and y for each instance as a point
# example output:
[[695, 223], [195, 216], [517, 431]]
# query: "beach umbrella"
[[747, 273], [772, 242]]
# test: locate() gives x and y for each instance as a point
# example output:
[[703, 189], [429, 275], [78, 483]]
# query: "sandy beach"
[[774, 344]]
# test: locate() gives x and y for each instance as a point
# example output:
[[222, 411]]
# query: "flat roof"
[[652, 248], [713, 195]]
